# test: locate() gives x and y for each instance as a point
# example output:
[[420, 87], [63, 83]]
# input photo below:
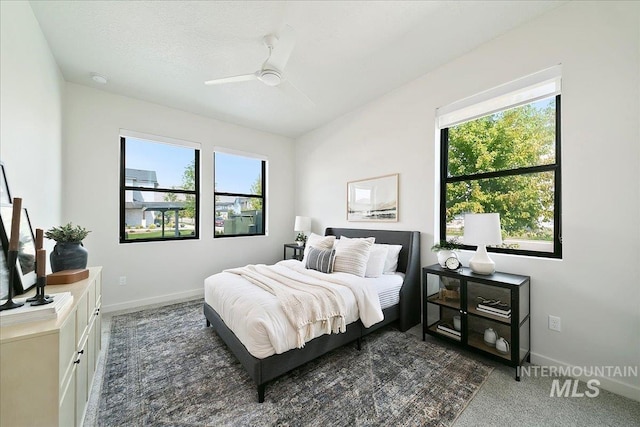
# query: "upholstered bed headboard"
[[408, 263]]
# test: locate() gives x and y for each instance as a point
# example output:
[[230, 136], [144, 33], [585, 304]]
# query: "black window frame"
[[124, 188], [262, 196], [555, 168]]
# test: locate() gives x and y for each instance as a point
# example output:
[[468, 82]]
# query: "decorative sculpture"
[[41, 265]]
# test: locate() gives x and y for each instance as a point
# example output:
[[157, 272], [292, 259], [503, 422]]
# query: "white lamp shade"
[[303, 223], [482, 229]]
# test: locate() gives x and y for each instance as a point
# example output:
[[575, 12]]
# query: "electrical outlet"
[[123, 280], [554, 323]]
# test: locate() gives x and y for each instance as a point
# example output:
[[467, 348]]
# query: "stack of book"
[[497, 309], [29, 313], [447, 330]]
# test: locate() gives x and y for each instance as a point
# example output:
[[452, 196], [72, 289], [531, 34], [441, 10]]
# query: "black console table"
[[495, 307]]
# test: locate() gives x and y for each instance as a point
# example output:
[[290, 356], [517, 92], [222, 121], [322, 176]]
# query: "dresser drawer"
[[82, 319], [67, 410], [67, 343], [91, 302], [98, 288]]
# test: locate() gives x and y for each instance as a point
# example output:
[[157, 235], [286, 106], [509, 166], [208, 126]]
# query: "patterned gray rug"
[[165, 368]]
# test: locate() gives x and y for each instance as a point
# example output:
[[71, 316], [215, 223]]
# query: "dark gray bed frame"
[[406, 314]]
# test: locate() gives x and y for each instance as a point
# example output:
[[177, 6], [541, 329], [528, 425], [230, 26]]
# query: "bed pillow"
[[391, 263], [377, 258], [320, 259], [352, 255], [319, 242], [377, 261]]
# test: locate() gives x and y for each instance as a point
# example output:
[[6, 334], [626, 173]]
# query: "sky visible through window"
[[234, 174], [543, 103], [169, 161]]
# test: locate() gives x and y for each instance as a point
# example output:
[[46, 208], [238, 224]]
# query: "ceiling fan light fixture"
[[270, 77], [270, 73], [98, 78]]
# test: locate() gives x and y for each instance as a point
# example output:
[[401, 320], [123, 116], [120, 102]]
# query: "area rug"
[[164, 367]]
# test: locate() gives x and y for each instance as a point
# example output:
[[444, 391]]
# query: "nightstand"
[[298, 251]]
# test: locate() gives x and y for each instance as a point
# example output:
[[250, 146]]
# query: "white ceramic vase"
[[443, 255]]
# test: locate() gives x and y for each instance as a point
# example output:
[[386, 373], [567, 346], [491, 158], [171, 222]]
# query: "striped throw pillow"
[[352, 255], [320, 260], [320, 242]]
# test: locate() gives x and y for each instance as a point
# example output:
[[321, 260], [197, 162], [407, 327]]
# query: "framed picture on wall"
[[26, 264], [373, 199]]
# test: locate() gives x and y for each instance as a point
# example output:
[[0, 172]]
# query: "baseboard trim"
[[159, 300], [610, 384]]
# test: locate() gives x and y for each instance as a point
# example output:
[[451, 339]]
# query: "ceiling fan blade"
[[232, 79], [282, 49], [292, 91]]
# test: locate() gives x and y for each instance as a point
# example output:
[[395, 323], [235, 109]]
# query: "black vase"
[[68, 256]]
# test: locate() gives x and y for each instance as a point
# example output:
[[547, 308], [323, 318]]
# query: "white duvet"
[[256, 316]]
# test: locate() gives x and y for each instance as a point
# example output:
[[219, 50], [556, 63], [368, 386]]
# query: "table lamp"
[[482, 229], [302, 225]]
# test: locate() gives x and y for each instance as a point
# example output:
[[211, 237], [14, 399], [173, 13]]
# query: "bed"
[[404, 314]]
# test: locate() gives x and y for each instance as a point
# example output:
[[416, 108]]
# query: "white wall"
[[161, 271], [31, 90], [595, 288]]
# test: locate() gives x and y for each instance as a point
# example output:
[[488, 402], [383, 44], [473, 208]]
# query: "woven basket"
[[449, 294]]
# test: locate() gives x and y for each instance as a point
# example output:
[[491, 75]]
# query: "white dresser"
[[47, 367]]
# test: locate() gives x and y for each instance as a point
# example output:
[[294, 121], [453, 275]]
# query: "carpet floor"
[[165, 368]]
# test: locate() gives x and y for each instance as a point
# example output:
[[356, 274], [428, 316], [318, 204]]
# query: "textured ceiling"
[[347, 53]]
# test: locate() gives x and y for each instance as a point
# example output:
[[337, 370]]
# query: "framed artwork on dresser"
[[5, 195], [26, 263], [4, 274]]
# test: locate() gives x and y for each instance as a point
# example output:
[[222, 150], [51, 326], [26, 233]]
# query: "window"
[[505, 161], [159, 189], [239, 193]]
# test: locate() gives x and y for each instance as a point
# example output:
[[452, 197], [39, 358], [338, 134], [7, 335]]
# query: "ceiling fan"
[[271, 72]]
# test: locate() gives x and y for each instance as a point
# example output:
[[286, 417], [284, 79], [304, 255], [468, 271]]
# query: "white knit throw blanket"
[[305, 301]]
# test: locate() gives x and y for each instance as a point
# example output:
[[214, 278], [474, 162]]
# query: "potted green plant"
[[445, 249], [68, 253], [301, 239]]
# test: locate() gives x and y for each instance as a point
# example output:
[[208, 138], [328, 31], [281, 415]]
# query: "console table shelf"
[[451, 311]]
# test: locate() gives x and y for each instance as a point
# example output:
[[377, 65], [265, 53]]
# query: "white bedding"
[[256, 316], [388, 288]]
